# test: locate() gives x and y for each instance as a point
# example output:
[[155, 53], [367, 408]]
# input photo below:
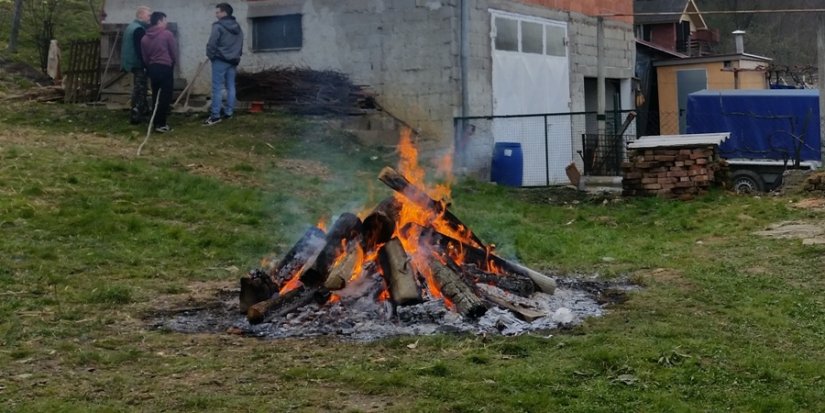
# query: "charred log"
[[481, 258], [399, 274], [466, 302], [340, 273], [281, 305], [306, 247], [515, 283], [522, 312], [316, 271], [255, 287], [379, 225], [400, 184]]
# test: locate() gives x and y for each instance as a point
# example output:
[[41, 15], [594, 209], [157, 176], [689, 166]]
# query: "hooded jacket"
[[158, 47], [226, 41]]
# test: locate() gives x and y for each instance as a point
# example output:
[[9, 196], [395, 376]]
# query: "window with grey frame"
[[516, 35], [273, 33]]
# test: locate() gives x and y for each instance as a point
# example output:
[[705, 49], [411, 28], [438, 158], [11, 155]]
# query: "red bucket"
[[256, 106]]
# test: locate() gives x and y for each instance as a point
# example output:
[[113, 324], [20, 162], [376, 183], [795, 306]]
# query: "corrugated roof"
[[712, 58], [661, 49], [670, 141], [674, 8]]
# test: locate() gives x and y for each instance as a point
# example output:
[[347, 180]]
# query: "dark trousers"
[[163, 81], [140, 105]]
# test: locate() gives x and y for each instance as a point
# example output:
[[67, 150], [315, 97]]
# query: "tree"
[[15, 25]]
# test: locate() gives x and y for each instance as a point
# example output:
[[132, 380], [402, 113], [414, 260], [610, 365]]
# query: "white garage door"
[[531, 76]]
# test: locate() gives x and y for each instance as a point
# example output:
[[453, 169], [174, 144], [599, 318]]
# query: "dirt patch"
[[810, 233], [817, 204]]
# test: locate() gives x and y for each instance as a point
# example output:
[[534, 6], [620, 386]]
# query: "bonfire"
[[408, 250]]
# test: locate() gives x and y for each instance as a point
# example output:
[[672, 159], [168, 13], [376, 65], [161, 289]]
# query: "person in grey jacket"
[[224, 50]]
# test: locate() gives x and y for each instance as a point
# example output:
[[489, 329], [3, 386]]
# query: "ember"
[[409, 250]]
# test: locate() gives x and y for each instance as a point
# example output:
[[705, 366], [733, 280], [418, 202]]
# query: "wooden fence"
[[82, 74]]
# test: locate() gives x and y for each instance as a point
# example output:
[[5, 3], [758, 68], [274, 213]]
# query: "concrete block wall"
[[407, 51]]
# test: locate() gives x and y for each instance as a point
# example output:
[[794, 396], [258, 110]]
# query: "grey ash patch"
[[362, 318]]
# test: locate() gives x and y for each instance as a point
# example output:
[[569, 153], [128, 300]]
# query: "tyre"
[[747, 182]]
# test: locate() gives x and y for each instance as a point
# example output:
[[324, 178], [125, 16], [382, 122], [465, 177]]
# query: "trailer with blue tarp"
[[770, 130]]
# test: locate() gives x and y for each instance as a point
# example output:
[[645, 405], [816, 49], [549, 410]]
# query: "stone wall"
[[682, 172]]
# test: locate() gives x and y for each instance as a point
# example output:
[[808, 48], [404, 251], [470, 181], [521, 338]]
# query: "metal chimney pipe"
[[739, 37]]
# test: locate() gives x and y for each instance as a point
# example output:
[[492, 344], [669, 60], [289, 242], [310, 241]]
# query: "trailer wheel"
[[747, 182]]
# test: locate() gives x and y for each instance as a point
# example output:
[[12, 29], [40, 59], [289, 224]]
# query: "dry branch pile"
[[304, 91]]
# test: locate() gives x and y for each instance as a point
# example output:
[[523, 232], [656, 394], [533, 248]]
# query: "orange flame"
[[360, 260], [322, 224], [292, 284], [341, 255]]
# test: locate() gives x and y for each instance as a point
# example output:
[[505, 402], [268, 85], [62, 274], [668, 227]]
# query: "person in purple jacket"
[[160, 50]]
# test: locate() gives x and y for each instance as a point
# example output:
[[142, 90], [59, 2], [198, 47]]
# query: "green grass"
[[95, 238]]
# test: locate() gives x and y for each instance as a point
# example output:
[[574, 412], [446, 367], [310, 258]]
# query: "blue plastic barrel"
[[507, 164]]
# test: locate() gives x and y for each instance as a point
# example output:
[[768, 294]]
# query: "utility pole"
[[600, 92], [820, 79]]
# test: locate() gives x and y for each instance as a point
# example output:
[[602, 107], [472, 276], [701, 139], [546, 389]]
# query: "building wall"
[[407, 51], [664, 35], [619, 10], [718, 79]]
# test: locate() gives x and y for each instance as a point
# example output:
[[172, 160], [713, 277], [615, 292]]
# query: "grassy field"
[[94, 240]]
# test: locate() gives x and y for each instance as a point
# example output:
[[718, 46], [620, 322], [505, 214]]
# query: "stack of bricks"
[[815, 182], [672, 172]]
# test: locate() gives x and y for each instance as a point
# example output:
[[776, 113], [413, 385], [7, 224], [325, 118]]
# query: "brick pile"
[[673, 172], [815, 182]]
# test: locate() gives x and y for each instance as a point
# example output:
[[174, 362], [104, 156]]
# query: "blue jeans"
[[223, 74]]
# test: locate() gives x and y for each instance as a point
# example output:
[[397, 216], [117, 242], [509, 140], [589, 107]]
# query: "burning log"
[[466, 302], [260, 285], [399, 274], [481, 257], [281, 305], [341, 273], [400, 184], [255, 287], [380, 224], [306, 247], [316, 271], [518, 284], [544, 283]]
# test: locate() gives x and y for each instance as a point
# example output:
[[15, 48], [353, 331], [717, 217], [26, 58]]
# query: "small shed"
[[677, 78]]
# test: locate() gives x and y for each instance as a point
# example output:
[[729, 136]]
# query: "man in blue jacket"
[[130, 61], [224, 50]]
